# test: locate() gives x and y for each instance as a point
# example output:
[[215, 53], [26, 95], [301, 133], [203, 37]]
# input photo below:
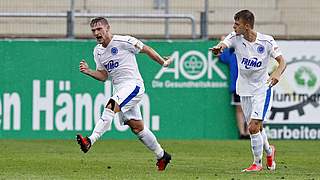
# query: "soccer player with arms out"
[[254, 85], [115, 58]]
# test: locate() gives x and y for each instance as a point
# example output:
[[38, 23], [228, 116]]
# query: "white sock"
[[266, 145], [149, 140], [102, 125], [257, 147]]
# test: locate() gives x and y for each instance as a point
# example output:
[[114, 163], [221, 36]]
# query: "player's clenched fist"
[[167, 61], [84, 67], [216, 50]]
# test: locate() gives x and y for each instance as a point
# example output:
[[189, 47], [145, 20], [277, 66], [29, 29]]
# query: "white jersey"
[[119, 59], [252, 59]]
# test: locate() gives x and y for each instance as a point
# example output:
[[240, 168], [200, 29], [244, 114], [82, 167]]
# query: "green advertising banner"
[[44, 96]]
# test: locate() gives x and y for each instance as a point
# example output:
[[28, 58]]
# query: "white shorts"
[[257, 106], [127, 95]]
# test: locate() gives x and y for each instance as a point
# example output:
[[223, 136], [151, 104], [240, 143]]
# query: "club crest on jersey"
[[114, 50], [253, 62], [260, 49], [111, 65]]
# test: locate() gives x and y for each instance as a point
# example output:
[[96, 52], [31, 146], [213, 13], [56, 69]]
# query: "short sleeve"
[[229, 40], [99, 66], [134, 45], [275, 50]]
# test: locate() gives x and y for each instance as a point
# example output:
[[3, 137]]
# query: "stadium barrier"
[[71, 15], [44, 96]]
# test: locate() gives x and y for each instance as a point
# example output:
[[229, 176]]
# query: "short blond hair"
[[102, 20]]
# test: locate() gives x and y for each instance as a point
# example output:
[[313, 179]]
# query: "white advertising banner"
[[296, 97]]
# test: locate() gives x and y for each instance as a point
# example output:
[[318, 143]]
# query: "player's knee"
[[112, 105], [136, 126], [253, 128], [137, 129]]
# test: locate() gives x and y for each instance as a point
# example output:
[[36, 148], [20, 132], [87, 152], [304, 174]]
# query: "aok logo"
[[192, 65], [111, 65], [251, 62]]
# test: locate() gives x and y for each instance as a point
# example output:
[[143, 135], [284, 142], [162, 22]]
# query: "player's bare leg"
[[150, 141], [244, 134], [256, 145]]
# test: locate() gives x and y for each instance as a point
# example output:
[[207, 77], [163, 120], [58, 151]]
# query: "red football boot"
[[84, 143], [253, 168], [271, 162], [164, 161]]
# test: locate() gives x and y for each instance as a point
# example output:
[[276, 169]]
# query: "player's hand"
[[84, 67], [167, 61], [217, 50], [273, 79]]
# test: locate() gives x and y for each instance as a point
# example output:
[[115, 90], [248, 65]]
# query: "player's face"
[[239, 27], [101, 32]]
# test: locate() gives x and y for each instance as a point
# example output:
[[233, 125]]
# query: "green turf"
[[129, 159]]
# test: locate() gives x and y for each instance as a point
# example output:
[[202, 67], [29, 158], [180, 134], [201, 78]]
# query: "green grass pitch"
[[129, 159]]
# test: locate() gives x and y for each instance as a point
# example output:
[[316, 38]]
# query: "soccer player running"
[[254, 85], [114, 56]]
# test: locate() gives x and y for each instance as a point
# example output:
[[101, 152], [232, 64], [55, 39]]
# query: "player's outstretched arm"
[[217, 50], [100, 75], [275, 76], [164, 61]]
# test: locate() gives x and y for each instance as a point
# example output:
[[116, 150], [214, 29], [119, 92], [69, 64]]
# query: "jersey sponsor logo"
[[114, 50], [111, 65], [260, 49], [248, 63]]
